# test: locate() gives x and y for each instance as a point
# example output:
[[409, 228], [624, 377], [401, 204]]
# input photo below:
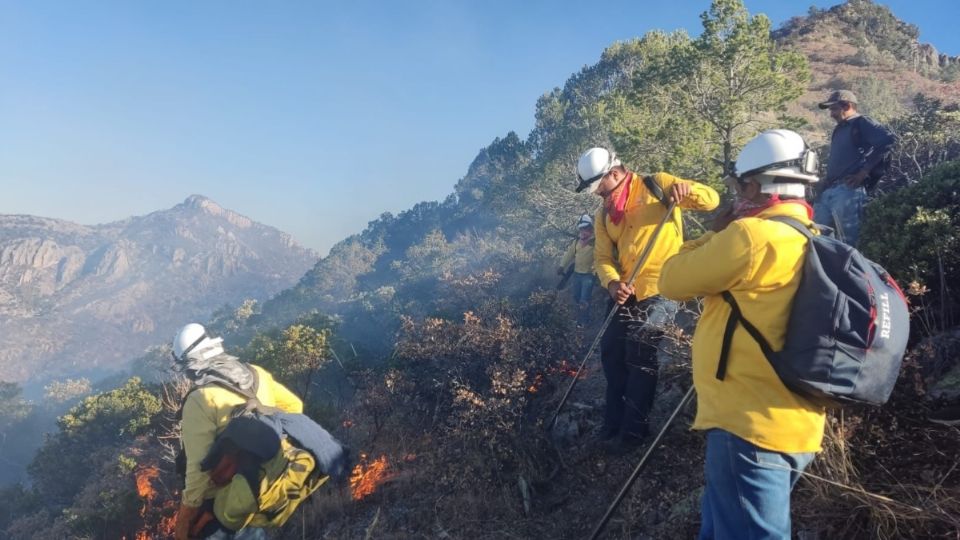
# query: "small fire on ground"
[[367, 476], [570, 370], [145, 478], [565, 368]]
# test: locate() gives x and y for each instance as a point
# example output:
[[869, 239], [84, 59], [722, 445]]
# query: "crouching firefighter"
[[249, 456]]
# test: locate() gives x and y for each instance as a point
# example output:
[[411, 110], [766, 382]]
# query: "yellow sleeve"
[[286, 399], [603, 259], [569, 255], [197, 431], [702, 197], [697, 242], [714, 265]]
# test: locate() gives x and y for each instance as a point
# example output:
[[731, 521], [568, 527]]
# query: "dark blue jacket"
[[850, 154]]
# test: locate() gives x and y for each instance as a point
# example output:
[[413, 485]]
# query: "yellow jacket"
[[759, 262], [619, 246], [206, 413], [580, 255]]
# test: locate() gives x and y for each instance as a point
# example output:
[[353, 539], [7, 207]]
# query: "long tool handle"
[[613, 312], [640, 466], [566, 277]]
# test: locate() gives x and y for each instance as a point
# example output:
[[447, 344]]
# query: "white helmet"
[[593, 164], [780, 161], [193, 343], [585, 221]]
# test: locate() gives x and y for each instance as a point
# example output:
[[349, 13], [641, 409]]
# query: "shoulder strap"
[[655, 188], [253, 402], [251, 394], [795, 223], [736, 316]]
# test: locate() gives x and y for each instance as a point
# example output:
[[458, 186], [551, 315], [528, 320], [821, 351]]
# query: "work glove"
[[186, 515]]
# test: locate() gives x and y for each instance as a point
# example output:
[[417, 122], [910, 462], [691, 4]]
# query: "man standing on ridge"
[[580, 255], [631, 210], [760, 435], [858, 148]]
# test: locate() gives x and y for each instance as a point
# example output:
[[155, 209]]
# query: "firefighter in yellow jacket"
[[624, 226], [208, 409], [580, 255], [760, 435]]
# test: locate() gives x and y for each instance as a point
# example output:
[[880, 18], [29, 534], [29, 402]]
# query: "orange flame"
[[535, 386], [365, 478], [570, 371], [564, 368], [164, 528], [348, 424], [169, 521], [144, 486]]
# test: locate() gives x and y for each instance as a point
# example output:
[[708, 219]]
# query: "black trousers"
[[630, 367]]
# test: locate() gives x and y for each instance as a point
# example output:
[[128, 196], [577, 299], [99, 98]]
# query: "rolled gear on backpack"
[[332, 458]]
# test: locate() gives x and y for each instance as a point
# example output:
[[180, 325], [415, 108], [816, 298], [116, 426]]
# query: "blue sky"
[[313, 117]]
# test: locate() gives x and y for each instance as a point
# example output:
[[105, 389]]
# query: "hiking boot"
[[624, 445], [947, 416], [604, 438], [607, 433]]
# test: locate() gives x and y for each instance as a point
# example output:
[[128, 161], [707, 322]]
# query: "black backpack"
[[848, 327]]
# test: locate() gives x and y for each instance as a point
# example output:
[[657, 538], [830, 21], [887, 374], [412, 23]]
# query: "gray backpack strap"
[[655, 188], [795, 223], [253, 403]]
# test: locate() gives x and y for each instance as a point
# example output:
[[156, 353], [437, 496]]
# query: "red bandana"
[[617, 209], [774, 200]]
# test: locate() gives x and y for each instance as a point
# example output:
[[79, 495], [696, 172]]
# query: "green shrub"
[[915, 234], [89, 434]]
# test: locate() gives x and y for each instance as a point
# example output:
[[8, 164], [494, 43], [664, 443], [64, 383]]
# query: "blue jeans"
[[582, 287], [582, 290], [747, 496], [841, 208]]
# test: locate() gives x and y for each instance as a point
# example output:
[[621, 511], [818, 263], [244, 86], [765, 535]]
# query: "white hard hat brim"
[[791, 172]]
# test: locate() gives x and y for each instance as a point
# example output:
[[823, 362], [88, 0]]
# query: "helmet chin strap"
[[193, 345]]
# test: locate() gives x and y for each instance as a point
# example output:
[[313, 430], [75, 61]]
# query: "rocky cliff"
[[86, 299]]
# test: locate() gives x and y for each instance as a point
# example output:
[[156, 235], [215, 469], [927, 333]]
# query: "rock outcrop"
[[76, 299]]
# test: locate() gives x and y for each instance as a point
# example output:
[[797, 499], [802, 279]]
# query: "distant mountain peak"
[[77, 298], [198, 201], [209, 206], [205, 204]]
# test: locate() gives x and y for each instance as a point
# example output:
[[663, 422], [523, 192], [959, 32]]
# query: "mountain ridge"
[[129, 279]]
